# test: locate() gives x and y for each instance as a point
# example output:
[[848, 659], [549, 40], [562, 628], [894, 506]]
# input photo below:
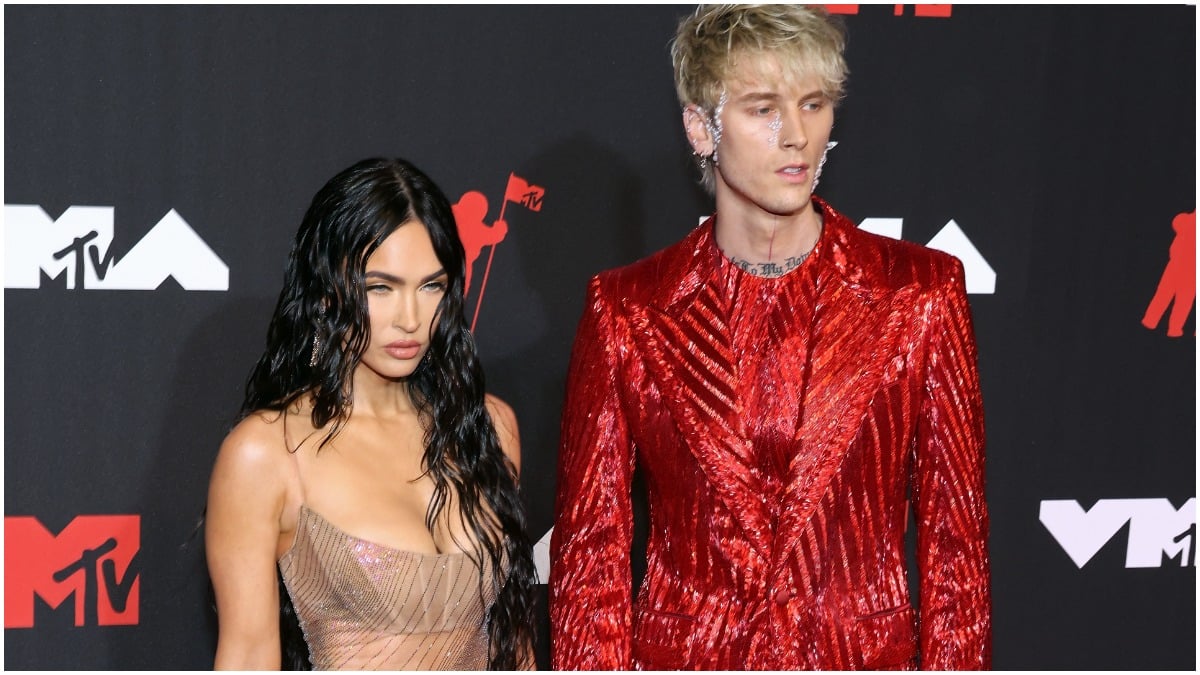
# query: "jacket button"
[[782, 598]]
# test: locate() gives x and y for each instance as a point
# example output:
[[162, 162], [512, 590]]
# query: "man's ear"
[[694, 125]]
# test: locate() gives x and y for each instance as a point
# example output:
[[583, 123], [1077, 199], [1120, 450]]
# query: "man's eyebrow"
[[775, 96], [759, 96]]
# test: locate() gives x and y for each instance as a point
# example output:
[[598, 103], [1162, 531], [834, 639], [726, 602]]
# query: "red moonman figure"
[[1178, 280], [469, 212]]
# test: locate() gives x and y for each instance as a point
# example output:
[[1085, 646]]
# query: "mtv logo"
[[94, 560], [77, 246], [1155, 528]]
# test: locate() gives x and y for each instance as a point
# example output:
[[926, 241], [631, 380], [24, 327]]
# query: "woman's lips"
[[403, 349]]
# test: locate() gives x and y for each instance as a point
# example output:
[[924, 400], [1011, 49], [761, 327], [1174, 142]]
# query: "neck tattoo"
[[772, 269]]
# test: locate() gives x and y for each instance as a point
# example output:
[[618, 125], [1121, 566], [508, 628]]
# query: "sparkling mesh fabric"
[[781, 426], [365, 606]]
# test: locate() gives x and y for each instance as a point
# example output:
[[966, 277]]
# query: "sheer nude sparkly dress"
[[366, 606]]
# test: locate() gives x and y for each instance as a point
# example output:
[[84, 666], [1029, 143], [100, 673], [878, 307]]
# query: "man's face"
[[774, 129]]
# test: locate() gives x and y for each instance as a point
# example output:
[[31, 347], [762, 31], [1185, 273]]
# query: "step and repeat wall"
[[157, 161]]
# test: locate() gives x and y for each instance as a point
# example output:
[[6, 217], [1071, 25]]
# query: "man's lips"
[[793, 173]]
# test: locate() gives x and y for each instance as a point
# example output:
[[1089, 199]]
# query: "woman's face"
[[405, 283]]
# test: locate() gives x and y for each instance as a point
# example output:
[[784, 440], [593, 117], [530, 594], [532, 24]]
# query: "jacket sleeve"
[[948, 493], [590, 576]]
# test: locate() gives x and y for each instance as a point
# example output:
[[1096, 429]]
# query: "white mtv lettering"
[[541, 557], [1155, 528], [34, 243], [884, 227], [981, 278], [170, 249], [1082, 533]]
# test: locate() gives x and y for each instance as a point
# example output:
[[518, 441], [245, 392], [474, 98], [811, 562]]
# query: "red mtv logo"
[[943, 11], [94, 560]]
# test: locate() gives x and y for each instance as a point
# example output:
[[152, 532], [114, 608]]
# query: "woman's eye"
[[378, 288], [435, 286]]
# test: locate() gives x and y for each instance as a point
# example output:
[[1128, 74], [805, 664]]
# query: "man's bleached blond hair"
[[804, 41]]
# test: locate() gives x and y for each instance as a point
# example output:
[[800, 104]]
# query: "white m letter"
[[32, 239]]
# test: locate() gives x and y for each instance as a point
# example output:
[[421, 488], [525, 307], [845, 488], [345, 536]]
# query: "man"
[[786, 383]]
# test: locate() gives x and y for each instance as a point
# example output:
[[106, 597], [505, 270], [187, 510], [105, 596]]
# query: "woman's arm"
[[246, 496], [505, 422]]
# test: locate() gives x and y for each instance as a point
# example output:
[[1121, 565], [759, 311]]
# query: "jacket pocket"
[[887, 639], [661, 640]]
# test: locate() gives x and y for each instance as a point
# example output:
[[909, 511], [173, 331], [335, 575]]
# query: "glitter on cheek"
[[821, 164], [775, 125]]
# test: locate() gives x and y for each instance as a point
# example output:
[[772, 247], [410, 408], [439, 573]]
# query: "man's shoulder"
[[897, 249], [641, 279], [896, 263], [649, 267]]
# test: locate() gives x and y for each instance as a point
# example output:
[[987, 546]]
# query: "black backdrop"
[[1061, 142]]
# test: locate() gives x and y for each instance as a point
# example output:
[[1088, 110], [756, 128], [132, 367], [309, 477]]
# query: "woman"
[[369, 464]]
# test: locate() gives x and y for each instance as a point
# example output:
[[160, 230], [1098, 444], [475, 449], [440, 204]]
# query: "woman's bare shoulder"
[[257, 450], [257, 438], [505, 422]]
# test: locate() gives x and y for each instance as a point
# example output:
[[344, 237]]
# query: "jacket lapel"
[[689, 354], [857, 332]]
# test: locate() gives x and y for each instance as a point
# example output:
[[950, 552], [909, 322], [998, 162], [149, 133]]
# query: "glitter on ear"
[[715, 126]]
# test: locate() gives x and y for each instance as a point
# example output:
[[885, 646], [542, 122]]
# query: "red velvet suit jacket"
[[808, 571]]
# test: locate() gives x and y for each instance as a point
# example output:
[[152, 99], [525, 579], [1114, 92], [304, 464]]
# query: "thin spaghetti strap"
[[296, 478], [293, 451]]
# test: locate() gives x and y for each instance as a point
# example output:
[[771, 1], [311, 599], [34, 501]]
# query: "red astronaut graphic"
[[469, 213], [1178, 282]]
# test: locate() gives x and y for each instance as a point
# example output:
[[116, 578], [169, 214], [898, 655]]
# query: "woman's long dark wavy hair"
[[316, 339]]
